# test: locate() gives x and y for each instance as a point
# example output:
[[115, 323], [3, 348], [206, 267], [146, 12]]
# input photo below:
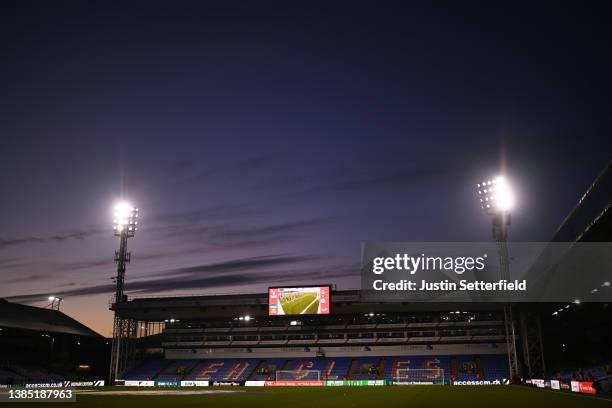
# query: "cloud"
[[278, 230], [387, 177], [216, 213], [96, 263], [251, 264], [229, 236], [73, 235], [190, 279], [236, 279], [26, 278], [4, 243], [193, 171], [249, 165]]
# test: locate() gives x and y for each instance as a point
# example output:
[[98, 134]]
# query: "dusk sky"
[[265, 141]]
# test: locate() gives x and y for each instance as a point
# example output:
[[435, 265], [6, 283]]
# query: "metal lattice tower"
[[124, 329], [531, 339], [496, 199], [500, 233]]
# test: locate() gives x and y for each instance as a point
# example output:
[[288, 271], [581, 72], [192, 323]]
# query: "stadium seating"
[[147, 370], [362, 369], [487, 367], [268, 369], [229, 369], [596, 372], [495, 367], [469, 368], [393, 364], [302, 368], [176, 370], [9, 377], [337, 368], [33, 373]]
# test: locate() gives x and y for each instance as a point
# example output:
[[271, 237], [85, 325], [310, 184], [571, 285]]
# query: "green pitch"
[[295, 304], [335, 397]]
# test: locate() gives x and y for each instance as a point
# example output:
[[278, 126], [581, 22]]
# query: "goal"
[[298, 375], [419, 376]]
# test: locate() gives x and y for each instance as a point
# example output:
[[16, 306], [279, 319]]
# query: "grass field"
[[324, 397], [298, 304]]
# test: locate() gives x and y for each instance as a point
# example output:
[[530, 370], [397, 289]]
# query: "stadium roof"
[[344, 302], [590, 219], [17, 316]]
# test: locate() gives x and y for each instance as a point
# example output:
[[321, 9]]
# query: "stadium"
[[290, 342]]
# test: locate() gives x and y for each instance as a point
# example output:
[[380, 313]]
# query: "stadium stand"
[[43, 345], [592, 373], [356, 344], [35, 373], [10, 377], [222, 370], [365, 369], [176, 370], [301, 368], [148, 370], [266, 369], [417, 362], [337, 368], [494, 367], [233, 369]]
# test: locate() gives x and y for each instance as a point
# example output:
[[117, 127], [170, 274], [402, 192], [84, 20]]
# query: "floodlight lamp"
[[124, 218], [495, 195], [51, 298]]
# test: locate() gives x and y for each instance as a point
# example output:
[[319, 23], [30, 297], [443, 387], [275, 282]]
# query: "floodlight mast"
[[125, 225], [55, 302], [497, 199]]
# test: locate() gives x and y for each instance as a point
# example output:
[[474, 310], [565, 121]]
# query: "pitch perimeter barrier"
[[582, 387]]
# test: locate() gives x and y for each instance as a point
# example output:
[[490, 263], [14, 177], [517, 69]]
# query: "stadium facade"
[[232, 338]]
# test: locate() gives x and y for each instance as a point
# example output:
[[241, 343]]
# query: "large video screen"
[[310, 300]]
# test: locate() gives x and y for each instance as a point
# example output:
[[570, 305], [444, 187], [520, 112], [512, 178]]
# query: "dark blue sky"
[[265, 141]]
